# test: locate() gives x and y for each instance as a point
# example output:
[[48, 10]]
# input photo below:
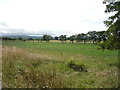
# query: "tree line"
[[93, 36], [90, 36]]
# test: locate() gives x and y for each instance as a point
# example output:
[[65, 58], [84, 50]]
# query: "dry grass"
[[20, 70]]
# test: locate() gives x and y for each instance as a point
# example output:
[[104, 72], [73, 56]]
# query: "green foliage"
[[91, 34], [113, 25], [56, 38], [77, 66], [20, 38], [7, 38], [78, 38], [102, 45], [62, 38], [100, 33], [81, 38], [30, 39], [72, 38], [47, 38]]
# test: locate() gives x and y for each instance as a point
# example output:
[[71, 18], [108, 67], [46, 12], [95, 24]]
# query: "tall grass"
[[19, 70]]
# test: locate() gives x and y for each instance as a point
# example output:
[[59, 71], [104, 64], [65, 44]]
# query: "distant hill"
[[23, 36], [34, 36]]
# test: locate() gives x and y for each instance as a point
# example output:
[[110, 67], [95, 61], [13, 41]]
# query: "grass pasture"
[[58, 65]]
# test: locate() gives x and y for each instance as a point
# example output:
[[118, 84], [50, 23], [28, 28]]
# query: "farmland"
[[58, 65]]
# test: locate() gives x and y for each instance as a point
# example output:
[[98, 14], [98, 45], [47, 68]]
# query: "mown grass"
[[47, 65]]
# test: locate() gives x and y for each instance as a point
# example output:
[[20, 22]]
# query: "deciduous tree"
[[47, 38], [62, 38], [72, 38]]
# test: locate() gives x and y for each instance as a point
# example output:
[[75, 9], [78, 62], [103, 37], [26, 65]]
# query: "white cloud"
[[53, 16]]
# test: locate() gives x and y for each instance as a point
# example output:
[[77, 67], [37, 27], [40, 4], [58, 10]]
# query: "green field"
[[58, 65], [85, 49]]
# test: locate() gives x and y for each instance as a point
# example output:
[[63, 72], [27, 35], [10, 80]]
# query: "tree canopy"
[[62, 38], [72, 38], [47, 38]]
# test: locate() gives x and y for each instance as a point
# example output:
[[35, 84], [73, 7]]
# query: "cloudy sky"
[[53, 17]]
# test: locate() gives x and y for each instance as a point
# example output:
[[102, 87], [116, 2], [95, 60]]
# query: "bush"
[[77, 67]]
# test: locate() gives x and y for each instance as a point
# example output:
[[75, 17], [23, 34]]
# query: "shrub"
[[77, 66]]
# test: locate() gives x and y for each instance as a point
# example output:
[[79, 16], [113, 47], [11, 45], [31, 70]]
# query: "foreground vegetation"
[[58, 65]]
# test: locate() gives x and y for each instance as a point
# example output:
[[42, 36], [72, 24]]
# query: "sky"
[[54, 17]]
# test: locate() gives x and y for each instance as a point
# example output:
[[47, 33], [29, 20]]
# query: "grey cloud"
[[93, 22], [6, 29], [56, 32], [11, 30], [4, 24], [50, 32]]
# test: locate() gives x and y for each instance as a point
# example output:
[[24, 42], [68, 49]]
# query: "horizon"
[[36, 34]]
